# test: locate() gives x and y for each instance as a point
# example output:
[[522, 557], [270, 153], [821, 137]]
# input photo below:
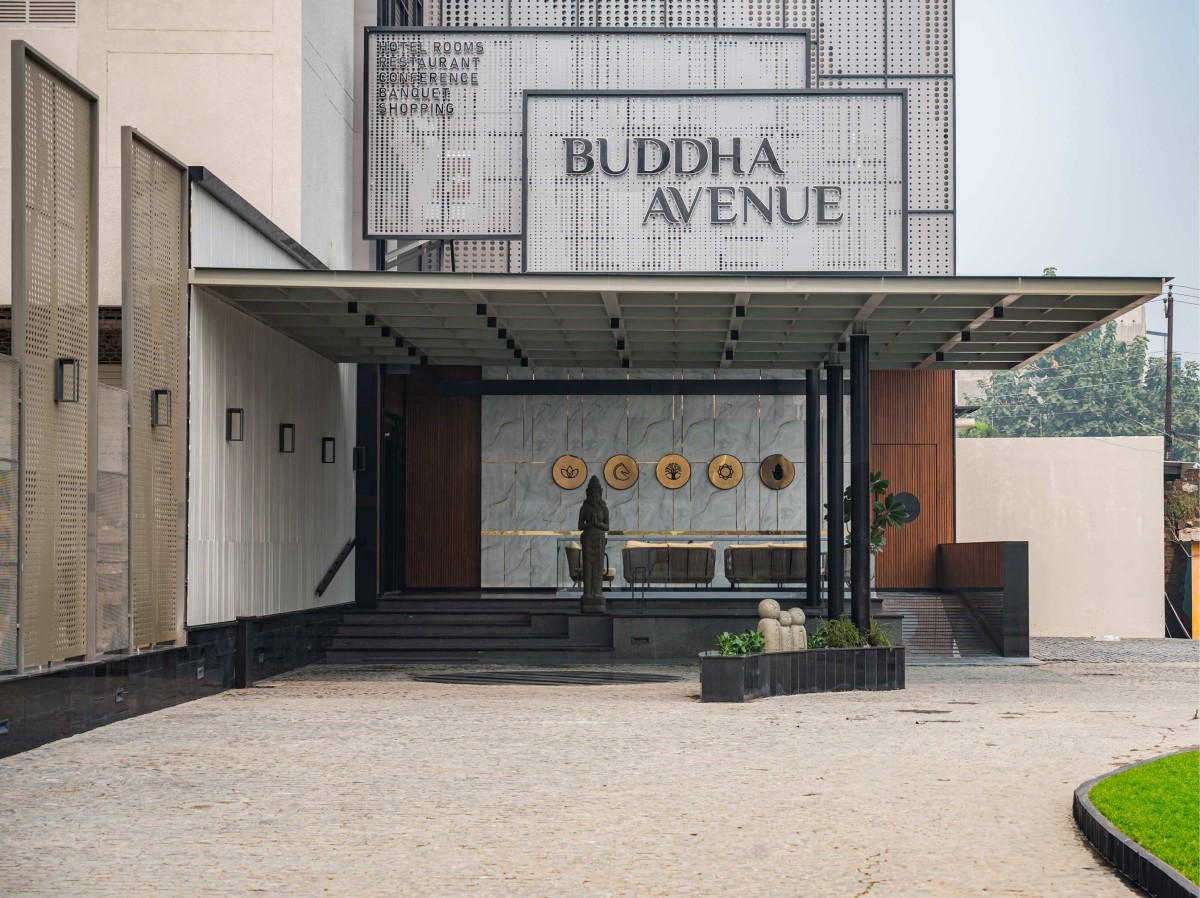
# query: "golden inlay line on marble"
[[649, 533]]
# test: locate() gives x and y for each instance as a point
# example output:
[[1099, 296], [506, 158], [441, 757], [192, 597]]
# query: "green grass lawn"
[[1158, 806]]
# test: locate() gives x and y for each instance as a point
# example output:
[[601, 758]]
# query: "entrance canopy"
[[674, 321]]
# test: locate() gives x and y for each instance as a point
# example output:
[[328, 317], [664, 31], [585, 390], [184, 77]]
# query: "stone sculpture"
[[769, 627], [783, 631], [593, 525], [799, 634]]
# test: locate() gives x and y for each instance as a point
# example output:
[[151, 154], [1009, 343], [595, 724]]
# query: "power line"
[[1074, 368], [1186, 436], [1064, 372]]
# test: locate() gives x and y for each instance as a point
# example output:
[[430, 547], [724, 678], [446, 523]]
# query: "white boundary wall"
[[264, 525], [1091, 509]]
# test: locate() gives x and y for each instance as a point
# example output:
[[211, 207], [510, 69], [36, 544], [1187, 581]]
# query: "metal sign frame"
[[435, 30], [904, 211]]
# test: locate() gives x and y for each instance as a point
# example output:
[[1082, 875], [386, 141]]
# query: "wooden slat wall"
[[443, 452], [912, 442], [971, 566]]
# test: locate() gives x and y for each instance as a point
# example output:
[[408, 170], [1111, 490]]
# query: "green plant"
[[877, 636], [816, 639], [745, 643], [978, 430], [842, 634], [1097, 385], [885, 512]]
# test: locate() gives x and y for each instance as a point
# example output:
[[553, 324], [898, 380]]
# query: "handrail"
[[335, 567]]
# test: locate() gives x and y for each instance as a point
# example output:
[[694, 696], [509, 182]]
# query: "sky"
[[1078, 127]]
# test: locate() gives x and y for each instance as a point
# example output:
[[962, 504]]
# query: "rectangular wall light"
[[287, 438], [328, 450], [66, 380], [160, 408], [235, 423]]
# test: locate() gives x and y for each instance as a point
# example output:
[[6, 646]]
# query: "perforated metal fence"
[[10, 504], [112, 522]]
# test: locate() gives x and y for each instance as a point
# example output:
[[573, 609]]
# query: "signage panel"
[[442, 141], [754, 182]]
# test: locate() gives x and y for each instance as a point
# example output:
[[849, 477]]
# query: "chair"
[[777, 563], [574, 553]]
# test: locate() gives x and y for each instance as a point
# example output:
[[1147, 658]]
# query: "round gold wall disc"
[[725, 472], [570, 471], [673, 471], [776, 472], [621, 472]]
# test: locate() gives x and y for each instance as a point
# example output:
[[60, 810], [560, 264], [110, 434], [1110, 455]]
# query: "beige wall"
[[1091, 510], [218, 83]]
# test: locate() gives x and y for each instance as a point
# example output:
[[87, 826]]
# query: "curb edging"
[[1148, 872]]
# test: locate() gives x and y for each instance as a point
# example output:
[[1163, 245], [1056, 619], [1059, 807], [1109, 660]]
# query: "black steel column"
[[860, 481], [812, 485], [366, 488], [835, 524]]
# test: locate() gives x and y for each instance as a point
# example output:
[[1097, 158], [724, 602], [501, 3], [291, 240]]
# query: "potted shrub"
[[886, 511], [838, 658], [737, 671]]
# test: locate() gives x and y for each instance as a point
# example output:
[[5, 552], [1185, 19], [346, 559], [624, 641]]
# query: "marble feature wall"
[[524, 512]]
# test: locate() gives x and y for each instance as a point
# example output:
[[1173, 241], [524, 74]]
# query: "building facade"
[[281, 341]]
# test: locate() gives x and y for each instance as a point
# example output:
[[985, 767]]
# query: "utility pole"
[[1170, 313]]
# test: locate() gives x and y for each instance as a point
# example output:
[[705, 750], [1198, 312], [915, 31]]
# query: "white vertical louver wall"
[[222, 239], [263, 526]]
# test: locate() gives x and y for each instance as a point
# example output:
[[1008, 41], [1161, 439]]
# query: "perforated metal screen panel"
[[155, 358], [931, 243], [10, 429], [930, 141], [54, 317], [443, 143], [850, 37], [920, 37], [815, 183]]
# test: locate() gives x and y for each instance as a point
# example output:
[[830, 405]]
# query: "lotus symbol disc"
[[569, 471]]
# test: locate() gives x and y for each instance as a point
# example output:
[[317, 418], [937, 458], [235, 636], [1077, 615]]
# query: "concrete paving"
[[361, 782]]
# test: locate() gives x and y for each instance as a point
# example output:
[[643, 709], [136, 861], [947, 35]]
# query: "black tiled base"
[[794, 673], [41, 707]]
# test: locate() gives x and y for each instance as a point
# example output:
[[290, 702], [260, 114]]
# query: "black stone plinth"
[[741, 678]]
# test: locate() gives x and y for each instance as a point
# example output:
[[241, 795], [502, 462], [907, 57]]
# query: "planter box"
[[741, 678]]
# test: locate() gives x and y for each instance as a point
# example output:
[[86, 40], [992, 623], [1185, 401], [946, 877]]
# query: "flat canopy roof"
[[674, 321]]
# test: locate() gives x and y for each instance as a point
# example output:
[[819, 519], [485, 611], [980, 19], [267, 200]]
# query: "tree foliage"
[[1094, 386]]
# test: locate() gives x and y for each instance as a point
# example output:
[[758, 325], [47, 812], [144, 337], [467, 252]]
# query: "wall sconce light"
[[328, 450], [287, 437], [360, 458], [66, 380], [160, 408], [235, 424]]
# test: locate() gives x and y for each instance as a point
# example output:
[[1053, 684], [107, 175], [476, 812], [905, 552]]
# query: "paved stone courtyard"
[[361, 782]]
